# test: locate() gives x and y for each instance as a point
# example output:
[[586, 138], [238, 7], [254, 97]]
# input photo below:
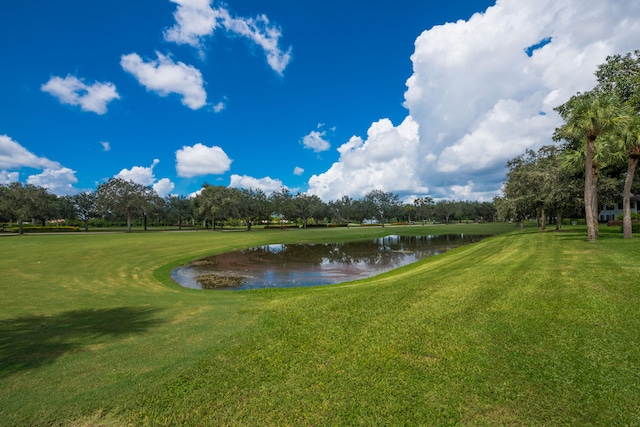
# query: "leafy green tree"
[[46, 206], [588, 117], [360, 210], [251, 205], [628, 142], [178, 208], [410, 209], [343, 208], [424, 208], [620, 75], [126, 198], [538, 185], [85, 206], [21, 202], [216, 203], [445, 209], [306, 206], [485, 211], [281, 203], [4, 206], [382, 204]]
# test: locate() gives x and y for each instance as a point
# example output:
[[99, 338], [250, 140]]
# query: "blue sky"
[[331, 98]]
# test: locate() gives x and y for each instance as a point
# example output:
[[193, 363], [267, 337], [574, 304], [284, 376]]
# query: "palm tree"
[[588, 117], [626, 143]]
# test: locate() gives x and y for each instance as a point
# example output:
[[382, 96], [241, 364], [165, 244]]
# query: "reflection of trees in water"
[[389, 250]]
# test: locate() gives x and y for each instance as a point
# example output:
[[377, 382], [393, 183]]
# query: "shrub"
[[634, 216], [46, 229]]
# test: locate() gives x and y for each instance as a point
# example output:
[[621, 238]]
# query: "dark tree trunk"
[[626, 201]]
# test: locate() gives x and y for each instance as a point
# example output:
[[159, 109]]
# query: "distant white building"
[[609, 213]]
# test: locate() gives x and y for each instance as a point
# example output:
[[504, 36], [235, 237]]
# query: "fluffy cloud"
[[298, 171], [200, 160], [139, 174], [266, 184], [54, 177], [15, 156], [219, 106], [164, 76], [197, 20], [7, 177], [385, 161], [58, 181], [73, 91], [106, 146], [482, 91], [164, 187], [144, 176], [315, 141]]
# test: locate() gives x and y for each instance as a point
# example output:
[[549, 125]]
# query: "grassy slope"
[[525, 329]]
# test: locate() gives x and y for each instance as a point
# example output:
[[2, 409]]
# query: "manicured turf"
[[528, 328]]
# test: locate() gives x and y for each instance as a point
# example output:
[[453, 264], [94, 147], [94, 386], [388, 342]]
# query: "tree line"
[[217, 206], [595, 160]]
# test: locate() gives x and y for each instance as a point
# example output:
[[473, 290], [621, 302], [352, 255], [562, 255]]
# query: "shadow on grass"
[[33, 341], [604, 233]]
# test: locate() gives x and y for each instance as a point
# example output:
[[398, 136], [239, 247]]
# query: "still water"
[[311, 264]]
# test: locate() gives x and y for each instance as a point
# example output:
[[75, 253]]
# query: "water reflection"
[[310, 264]]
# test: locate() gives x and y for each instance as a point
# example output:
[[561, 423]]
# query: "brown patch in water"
[[217, 281]]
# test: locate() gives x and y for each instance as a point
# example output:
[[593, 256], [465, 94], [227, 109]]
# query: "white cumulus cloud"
[[482, 91], [15, 156], [73, 91], [144, 176], [57, 181], [139, 174], [164, 187], [199, 160], [197, 20], [266, 184], [7, 177], [298, 170], [54, 177], [164, 76], [315, 141], [386, 161]]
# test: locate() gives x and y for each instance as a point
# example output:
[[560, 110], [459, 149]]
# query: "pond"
[[312, 264]]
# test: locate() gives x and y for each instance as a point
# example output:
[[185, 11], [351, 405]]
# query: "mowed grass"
[[526, 328]]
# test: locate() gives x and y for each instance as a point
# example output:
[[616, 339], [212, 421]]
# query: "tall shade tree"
[[306, 206], [382, 203], [177, 208], [343, 208], [626, 143], [85, 206], [251, 205], [215, 202], [445, 209], [424, 208], [620, 75], [22, 202], [122, 197], [281, 202], [589, 116], [538, 185]]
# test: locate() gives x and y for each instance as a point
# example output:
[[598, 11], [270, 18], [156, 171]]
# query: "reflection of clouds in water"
[[295, 265]]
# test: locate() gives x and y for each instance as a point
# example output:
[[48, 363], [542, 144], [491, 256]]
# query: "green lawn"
[[526, 328]]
